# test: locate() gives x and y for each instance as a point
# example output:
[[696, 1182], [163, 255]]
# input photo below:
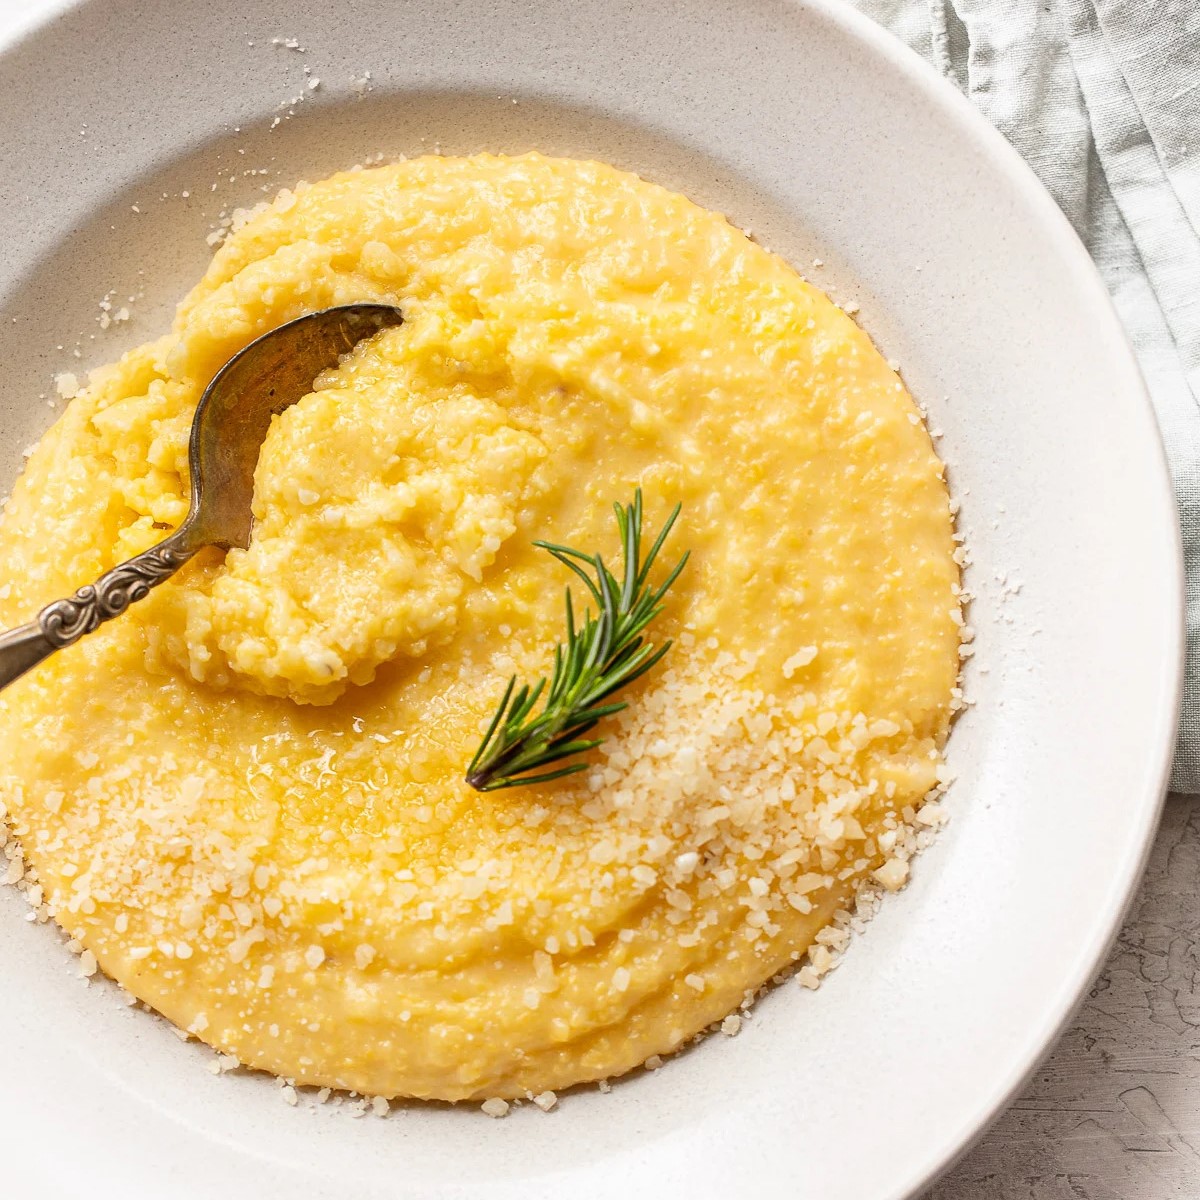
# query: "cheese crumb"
[[687, 862], [801, 658], [67, 385], [495, 1107], [892, 875]]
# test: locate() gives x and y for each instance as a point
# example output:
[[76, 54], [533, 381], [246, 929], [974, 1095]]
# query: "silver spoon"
[[232, 418]]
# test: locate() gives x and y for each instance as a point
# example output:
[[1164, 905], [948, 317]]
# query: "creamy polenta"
[[245, 798]]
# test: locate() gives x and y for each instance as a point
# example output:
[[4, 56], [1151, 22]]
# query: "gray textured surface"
[[1114, 1112]]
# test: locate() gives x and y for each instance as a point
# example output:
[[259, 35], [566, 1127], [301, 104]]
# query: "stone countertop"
[[1114, 1111]]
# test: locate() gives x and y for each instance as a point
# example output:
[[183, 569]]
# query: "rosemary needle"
[[605, 653]]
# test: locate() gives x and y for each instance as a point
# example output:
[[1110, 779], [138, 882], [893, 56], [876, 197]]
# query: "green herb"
[[605, 653]]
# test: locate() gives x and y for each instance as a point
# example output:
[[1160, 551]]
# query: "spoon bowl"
[[231, 421]]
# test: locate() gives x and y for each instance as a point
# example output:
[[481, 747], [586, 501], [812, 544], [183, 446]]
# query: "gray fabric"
[[1102, 98]]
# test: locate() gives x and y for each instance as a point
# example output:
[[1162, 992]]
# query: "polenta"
[[245, 798]]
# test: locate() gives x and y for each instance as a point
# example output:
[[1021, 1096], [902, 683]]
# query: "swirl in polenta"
[[245, 797]]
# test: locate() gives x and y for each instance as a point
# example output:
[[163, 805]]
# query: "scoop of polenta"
[[245, 797]]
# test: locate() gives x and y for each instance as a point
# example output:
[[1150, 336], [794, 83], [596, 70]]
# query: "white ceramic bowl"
[[801, 121]]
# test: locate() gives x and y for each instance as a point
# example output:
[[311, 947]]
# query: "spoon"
[[232, 418]]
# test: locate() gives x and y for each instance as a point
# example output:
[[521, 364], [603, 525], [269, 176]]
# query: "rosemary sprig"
[[605, 653]]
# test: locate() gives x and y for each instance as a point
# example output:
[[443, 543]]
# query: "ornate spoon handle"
[[66, 621]]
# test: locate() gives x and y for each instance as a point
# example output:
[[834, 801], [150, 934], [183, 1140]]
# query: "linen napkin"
[[1102, 99]]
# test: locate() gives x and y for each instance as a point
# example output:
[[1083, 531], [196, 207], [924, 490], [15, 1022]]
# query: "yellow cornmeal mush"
[[246, 797]]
